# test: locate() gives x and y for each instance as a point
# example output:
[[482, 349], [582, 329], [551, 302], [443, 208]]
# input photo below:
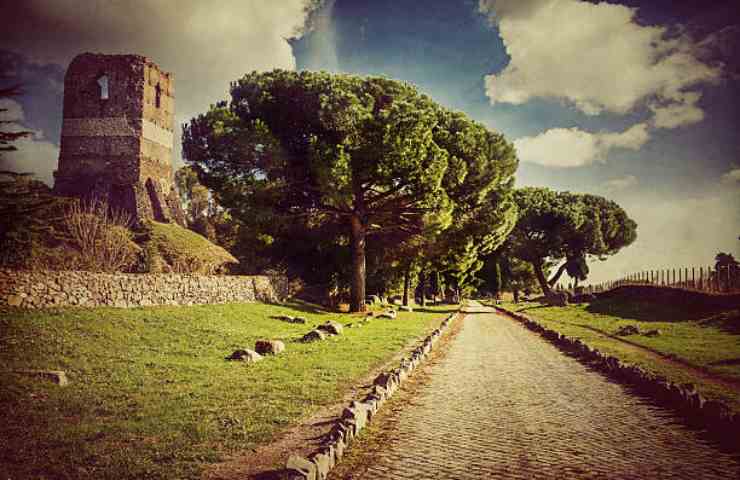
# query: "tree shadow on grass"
[[305, 307], [648, 311], [728, 322], [534, 307], [429, 310]]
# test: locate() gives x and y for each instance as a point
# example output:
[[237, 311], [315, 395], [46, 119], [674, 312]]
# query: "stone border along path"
[[356, 416], [713, 415], [505, 403]]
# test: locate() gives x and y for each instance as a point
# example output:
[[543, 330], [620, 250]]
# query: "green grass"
[[151, 395], [709, 342], [180, 248]]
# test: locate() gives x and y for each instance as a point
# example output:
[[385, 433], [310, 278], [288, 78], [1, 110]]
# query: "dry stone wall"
[[46, 289]]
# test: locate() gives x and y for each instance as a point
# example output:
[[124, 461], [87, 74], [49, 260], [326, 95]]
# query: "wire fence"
[[718, 279]]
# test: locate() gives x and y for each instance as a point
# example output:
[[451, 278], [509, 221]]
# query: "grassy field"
[[151, 395], [699, 347]]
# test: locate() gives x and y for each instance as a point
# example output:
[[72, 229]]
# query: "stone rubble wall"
[[45, 289], [358, 414]]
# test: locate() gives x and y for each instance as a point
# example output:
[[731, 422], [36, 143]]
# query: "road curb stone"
[[715, 416], [356, 416]]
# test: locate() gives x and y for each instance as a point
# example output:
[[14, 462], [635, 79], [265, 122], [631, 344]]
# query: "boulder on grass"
[[246, 355], [388, 314], [557, 299], [627, 330], [269, 347], [332, 328], [289, 319], [314, 336], [405, 308], [653, 333], [56, 376]]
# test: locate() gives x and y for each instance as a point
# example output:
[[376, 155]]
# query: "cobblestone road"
[[503, 403]]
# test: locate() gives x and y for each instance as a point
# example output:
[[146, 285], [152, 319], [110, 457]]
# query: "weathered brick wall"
[[32, 290], [113, 146]]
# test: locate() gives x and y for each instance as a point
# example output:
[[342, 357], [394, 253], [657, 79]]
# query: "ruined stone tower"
[[117, 136]]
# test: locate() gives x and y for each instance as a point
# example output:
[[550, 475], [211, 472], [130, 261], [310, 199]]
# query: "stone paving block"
[[505, 403]]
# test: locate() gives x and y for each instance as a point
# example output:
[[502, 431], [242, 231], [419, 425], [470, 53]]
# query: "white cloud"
[[573, 147], [597, 57], [621, 183], [678, 114], [34, 153], [732, 177], [10, 110], [675, 232], [206, 46]]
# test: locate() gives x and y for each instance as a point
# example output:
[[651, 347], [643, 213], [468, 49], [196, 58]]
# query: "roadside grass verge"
[[151, 395], [696, 347]]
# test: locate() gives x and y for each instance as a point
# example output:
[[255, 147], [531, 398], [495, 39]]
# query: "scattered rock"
[[313, 336], [627, 330], [405, 308], [332, 328], [388, 314], [323, 464], [653, 333], [372, 299], [249, 356], [57, 376], [289, 319], [269, 347], [15, 300], [300, 468], [583, 298], [557, 299]]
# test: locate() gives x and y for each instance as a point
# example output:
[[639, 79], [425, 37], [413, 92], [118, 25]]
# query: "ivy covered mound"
[[171, 248]]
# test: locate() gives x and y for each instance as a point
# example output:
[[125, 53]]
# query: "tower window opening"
[[103, 84], [158, 96]]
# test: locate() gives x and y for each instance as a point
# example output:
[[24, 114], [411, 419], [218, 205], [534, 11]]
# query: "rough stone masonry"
[[117, 136]]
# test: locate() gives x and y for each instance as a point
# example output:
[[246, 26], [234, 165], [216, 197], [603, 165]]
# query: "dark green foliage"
[[7, 137], [358, 159], [556, 226], [490, 275], [31, 220]]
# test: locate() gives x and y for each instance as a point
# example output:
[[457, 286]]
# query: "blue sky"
[[634, 100]]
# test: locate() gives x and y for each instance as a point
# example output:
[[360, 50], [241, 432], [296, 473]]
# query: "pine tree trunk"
[[406, 284], [557, 275], [541, 278], [357, 302], [423, 288]]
